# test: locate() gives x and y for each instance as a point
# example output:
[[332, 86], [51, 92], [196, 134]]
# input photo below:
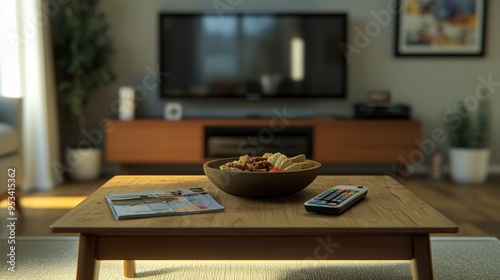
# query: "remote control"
[[336, 200]]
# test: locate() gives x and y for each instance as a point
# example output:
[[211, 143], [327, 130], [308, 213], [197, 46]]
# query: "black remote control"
[[336, 200]]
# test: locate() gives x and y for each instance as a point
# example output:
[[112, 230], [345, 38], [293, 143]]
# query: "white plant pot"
[[84, 164], [468, 165]]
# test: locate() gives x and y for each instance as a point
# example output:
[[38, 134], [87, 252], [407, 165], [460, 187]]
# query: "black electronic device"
[[235, 141], [336, 200], [381, 111], [253, 55]]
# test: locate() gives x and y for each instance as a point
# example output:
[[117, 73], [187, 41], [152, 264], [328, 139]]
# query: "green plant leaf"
[[469, 127], [83, 52]]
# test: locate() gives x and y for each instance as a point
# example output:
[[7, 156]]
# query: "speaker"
[[173, 111], [126, 109]]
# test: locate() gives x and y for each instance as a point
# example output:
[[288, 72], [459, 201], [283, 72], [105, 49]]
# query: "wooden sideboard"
[[334, 141]]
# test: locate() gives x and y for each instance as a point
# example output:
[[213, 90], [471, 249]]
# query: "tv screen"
[[253, 55]]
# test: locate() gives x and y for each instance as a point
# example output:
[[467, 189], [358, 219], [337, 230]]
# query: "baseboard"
[[424, 170], [494, 169]]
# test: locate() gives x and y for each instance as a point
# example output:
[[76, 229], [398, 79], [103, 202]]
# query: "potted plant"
[[469, 131], [83, 53]]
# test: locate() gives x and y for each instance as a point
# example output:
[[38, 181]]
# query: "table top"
[[389, 208]]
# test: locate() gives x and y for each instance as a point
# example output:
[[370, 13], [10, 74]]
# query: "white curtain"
[[28, 40]]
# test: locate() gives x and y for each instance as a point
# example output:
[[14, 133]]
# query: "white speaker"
[[126, 109], [173, 111]]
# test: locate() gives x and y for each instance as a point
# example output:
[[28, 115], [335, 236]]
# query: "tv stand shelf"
[[333, 141]]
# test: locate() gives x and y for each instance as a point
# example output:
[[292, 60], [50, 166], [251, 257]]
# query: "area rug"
[[55, 258]]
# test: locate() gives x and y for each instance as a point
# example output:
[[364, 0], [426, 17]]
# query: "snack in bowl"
[[241, 176], [268, 162], [250, 164]]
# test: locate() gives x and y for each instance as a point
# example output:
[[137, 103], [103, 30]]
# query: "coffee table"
[[389, 224]]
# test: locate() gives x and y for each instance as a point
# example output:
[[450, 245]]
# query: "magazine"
[[161, 203]]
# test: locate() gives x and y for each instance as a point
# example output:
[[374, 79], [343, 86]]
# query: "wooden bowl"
[[259, 184]]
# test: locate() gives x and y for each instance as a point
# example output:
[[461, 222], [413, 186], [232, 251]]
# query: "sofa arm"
[[11, 114], [10, 111]]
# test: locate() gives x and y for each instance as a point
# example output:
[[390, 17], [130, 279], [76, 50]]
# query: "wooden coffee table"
[[389, 224]]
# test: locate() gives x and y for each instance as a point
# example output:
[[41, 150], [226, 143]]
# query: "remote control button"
[[335, 200]]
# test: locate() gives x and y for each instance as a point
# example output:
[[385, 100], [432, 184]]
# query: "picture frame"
[[440, 28]]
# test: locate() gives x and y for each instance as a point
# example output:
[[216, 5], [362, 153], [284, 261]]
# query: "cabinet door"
[[365, 141], [154, 141]]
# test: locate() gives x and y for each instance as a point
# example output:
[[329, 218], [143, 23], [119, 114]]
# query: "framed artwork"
[[440, 28]]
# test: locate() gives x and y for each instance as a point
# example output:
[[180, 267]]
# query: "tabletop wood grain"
[[388, 208]]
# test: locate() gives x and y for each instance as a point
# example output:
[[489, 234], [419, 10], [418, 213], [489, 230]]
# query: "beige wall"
[[430, 85]]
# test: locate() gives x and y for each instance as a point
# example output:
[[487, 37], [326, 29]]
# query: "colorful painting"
[[440, 27]]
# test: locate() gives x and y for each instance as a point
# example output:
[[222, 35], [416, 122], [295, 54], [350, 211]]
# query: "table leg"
[[421, 265], [88, 266], [129, 268]]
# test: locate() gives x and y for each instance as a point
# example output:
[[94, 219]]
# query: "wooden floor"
[[474, 208]]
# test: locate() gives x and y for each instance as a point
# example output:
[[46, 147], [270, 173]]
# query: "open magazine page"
[[161, 203]]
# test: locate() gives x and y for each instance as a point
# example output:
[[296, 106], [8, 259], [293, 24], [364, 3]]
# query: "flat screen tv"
[[254, 56]]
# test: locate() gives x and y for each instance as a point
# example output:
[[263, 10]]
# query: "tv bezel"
[[252, 96]]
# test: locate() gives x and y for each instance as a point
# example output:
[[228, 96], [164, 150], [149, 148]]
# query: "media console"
[[329, 141]]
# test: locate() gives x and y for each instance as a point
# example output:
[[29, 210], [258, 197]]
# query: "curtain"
[[9, 58], [29, 41]]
